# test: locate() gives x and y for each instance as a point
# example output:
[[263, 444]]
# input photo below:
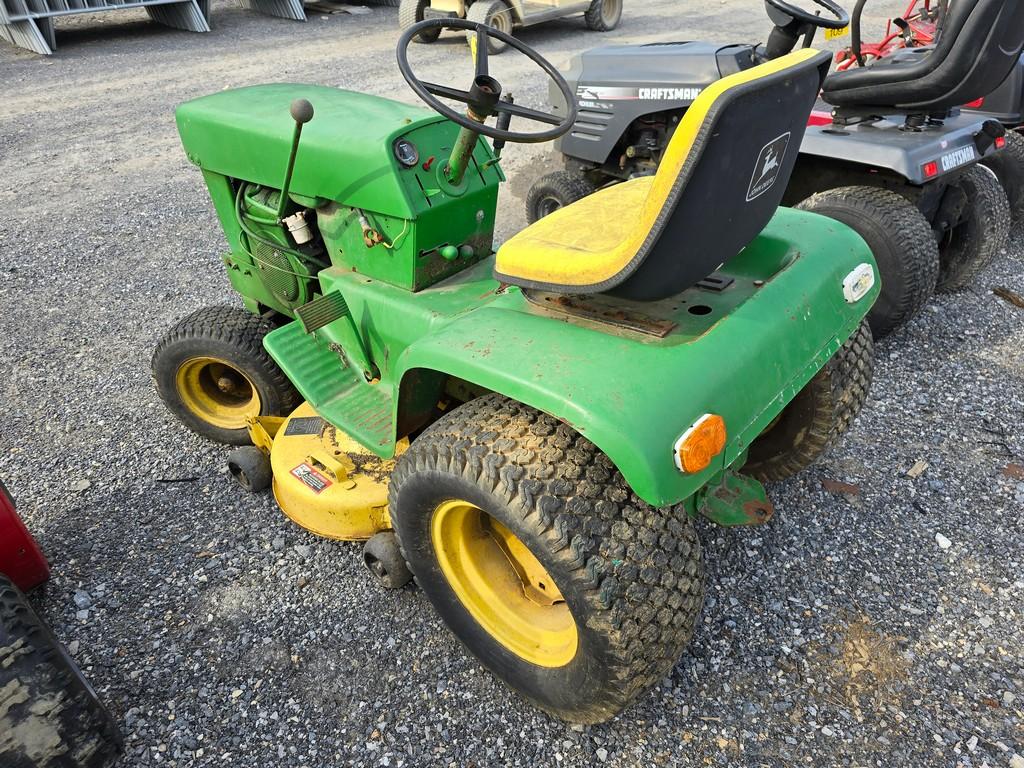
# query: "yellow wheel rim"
[[503, 585], [217, 392]]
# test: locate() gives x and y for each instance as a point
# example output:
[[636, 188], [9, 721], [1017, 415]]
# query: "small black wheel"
[[413, 12], [212, 373], [977, 231], [383, 557], [1009, 167], [821, 412], [250, 466], [493, 13], [542, 561], [604, 15], [554, 191], [901, 240], [49, 714]]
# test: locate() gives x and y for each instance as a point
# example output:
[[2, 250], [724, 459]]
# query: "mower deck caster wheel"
[[383, 557], [251, 468]]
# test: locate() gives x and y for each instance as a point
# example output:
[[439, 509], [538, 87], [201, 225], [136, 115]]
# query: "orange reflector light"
[[931, 170], [700, 443]]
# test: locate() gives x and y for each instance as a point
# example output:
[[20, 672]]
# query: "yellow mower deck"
[[324, 480]]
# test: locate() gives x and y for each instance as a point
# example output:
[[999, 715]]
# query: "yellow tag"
[[833, 34]]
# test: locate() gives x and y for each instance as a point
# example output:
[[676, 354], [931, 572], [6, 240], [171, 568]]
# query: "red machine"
[[915, 28], [20, 557]]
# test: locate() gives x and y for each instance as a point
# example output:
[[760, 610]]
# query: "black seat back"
[[981, 41]]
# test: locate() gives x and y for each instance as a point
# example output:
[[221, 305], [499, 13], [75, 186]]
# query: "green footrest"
[[339, 394]]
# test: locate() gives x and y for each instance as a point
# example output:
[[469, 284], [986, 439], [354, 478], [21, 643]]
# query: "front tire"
[[604, 15], [212, 373], [901, 240], [821, 412], [50, 714], [983, 226], [493, 13], [412, 12], [554, 191], [1008, 165], [584, 596]]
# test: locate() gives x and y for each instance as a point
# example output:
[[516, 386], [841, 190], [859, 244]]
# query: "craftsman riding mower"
[[529, 432], [893, 158], [50, 717], [918, 31], [506, 15]]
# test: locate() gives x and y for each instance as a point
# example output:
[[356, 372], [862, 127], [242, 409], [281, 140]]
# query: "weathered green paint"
[[346, 168], [411, 255], [632, 394], [734, 499]]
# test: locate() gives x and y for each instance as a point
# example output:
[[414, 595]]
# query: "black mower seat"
[[720, 181], [980, 43]]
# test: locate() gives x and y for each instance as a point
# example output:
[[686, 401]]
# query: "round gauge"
[[406, 153]]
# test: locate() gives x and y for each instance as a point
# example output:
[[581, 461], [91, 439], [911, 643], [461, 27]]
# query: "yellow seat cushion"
[[583, 243], [595, 239]]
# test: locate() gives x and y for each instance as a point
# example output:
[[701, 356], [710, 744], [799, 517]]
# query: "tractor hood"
[[345, 153]]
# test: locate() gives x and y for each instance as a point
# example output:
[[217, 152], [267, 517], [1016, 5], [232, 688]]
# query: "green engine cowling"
[[368, 186]]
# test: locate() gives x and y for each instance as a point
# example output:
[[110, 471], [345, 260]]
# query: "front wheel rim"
[[217, 392], [502, 585], [610, 10]]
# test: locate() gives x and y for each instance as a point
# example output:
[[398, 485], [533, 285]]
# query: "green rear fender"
[[634, 398]]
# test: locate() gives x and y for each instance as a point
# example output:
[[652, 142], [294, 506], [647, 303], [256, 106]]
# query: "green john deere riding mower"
[[528, 433]]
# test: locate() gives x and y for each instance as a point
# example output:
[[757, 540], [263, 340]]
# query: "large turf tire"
[[603, 15], [1009, 167], [821, 412], [553, 191], [631, 575], [982, 231], [234, 336], [493, 13], [50, 716], [411, 12], [901, 240]]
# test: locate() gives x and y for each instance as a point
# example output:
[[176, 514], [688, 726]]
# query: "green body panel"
[[347, 171], [744, 355]]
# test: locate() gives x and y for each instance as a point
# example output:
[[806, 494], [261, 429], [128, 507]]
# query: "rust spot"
[[759, 511]]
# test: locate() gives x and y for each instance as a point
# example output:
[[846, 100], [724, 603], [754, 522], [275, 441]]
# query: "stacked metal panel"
[[29, 23]]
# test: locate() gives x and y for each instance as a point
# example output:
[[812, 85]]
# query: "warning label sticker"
[[311, 477], [304, 425]]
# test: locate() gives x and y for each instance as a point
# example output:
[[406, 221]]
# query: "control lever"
[[302, 112]]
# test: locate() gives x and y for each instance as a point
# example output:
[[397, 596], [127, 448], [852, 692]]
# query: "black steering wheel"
[[841, 20], [484, 96]]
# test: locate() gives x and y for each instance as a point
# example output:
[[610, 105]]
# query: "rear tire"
[[1009, 167], [51, 715], [493, 13], [621, 577], [412, 12], [821, 412], [901, 240], [212, 373], [604, 15], [554, 191], [971, 244]]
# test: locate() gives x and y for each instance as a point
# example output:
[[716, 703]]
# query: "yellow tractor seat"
[[720, 181]]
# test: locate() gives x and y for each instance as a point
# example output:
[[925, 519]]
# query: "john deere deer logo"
[[767, 167]]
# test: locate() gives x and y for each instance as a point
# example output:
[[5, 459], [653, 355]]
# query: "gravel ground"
[[876, 628]]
